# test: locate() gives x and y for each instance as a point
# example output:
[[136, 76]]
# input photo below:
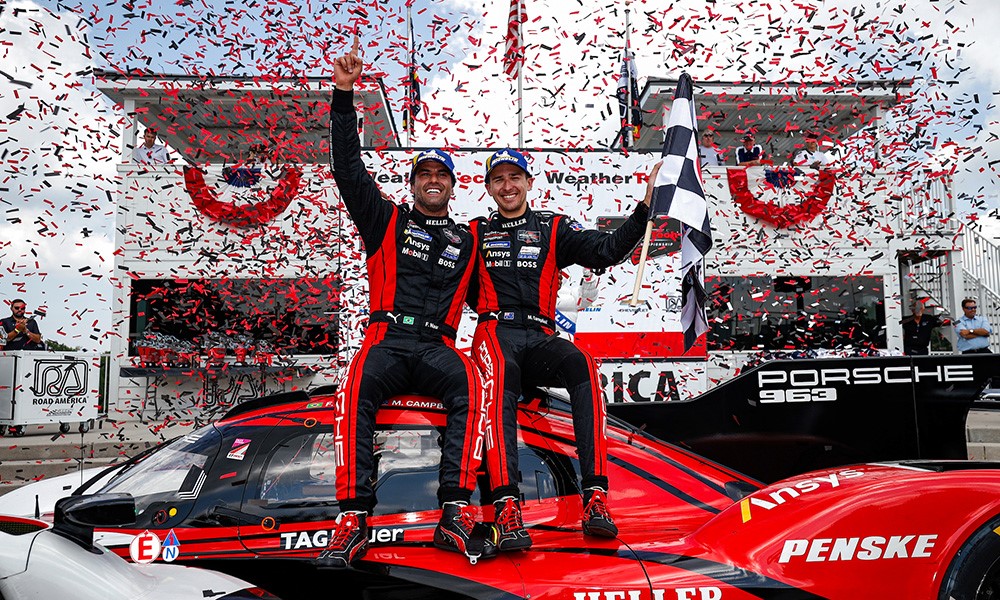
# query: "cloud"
[[57, 174]]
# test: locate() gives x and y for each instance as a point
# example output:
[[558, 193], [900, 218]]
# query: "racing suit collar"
[[421, 219], [504, 223]]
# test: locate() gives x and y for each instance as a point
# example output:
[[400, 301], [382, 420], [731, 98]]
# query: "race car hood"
[[799, 500], [851, 517], [16, 537]]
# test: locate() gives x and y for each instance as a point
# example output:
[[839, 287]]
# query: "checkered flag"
[[679, 195]]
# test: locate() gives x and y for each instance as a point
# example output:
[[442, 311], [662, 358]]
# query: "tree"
[[60, 347]]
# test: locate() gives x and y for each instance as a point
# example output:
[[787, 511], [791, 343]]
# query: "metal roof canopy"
[[777, 113], [217, 119]]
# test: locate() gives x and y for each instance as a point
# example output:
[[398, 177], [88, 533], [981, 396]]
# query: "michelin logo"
[[418, 233]]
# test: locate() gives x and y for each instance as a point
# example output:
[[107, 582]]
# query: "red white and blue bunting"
[[244, 199], [781, 196]]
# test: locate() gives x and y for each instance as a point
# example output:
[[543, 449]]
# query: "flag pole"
[[409, 75], [627, 129], [642, 263], [625, 133], [520, 68]]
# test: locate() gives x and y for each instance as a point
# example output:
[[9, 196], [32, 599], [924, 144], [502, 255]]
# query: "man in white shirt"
[[572, 299], [149, 152], [811, 155], [707, 151]]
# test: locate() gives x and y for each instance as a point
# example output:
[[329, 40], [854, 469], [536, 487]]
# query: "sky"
[[60, 137]]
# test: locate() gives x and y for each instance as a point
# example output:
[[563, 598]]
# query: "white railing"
[[981, 259], [930, 276], [928, 207], [981, 263]]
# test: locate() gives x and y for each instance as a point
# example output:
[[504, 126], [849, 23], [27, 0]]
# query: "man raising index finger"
[[420, 263]]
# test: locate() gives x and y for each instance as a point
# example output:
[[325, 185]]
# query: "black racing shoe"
[[597, 519], [509, 526], [348, 541], [458, 531]]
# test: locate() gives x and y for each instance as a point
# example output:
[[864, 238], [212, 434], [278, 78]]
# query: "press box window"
[[293, 316], [795, 313]]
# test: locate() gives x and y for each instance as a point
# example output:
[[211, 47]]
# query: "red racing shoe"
[[458, 531], [509, 526], [348, 541], [597, 519]]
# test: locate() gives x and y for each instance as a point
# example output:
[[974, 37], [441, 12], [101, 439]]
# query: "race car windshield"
[[175, 472]]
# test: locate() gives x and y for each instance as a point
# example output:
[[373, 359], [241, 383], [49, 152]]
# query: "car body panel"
[[784, 417], [36, 563], [688, 527]]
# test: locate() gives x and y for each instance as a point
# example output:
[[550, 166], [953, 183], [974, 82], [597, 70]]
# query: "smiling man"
[[420, 263], [521, 252], [20, 332]]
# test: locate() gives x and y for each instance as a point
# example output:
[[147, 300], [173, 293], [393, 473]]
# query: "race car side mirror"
[[77, 516]]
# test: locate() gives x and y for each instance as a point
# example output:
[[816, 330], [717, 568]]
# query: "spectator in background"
[[811, 156], [20, 332], [973, 331], [149, 152], [573, 298], [749, 154], [917, 329], [709, 154]]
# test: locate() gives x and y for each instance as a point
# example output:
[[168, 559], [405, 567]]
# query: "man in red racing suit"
[[521, 252], [420, 263]]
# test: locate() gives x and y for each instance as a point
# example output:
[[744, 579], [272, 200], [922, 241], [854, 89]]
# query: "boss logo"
[[60, 378]]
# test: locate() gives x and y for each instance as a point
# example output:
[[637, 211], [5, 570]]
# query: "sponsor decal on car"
[[814, 385], [239, 449], [782, 495], [872, 547], [144, 547], [308, 540], [171, 547], [682, 593]]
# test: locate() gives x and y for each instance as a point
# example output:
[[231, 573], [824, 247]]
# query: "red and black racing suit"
[[516, 340], [419, 269]]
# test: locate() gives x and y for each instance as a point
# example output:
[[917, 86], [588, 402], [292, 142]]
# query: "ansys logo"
[[60, 378]]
